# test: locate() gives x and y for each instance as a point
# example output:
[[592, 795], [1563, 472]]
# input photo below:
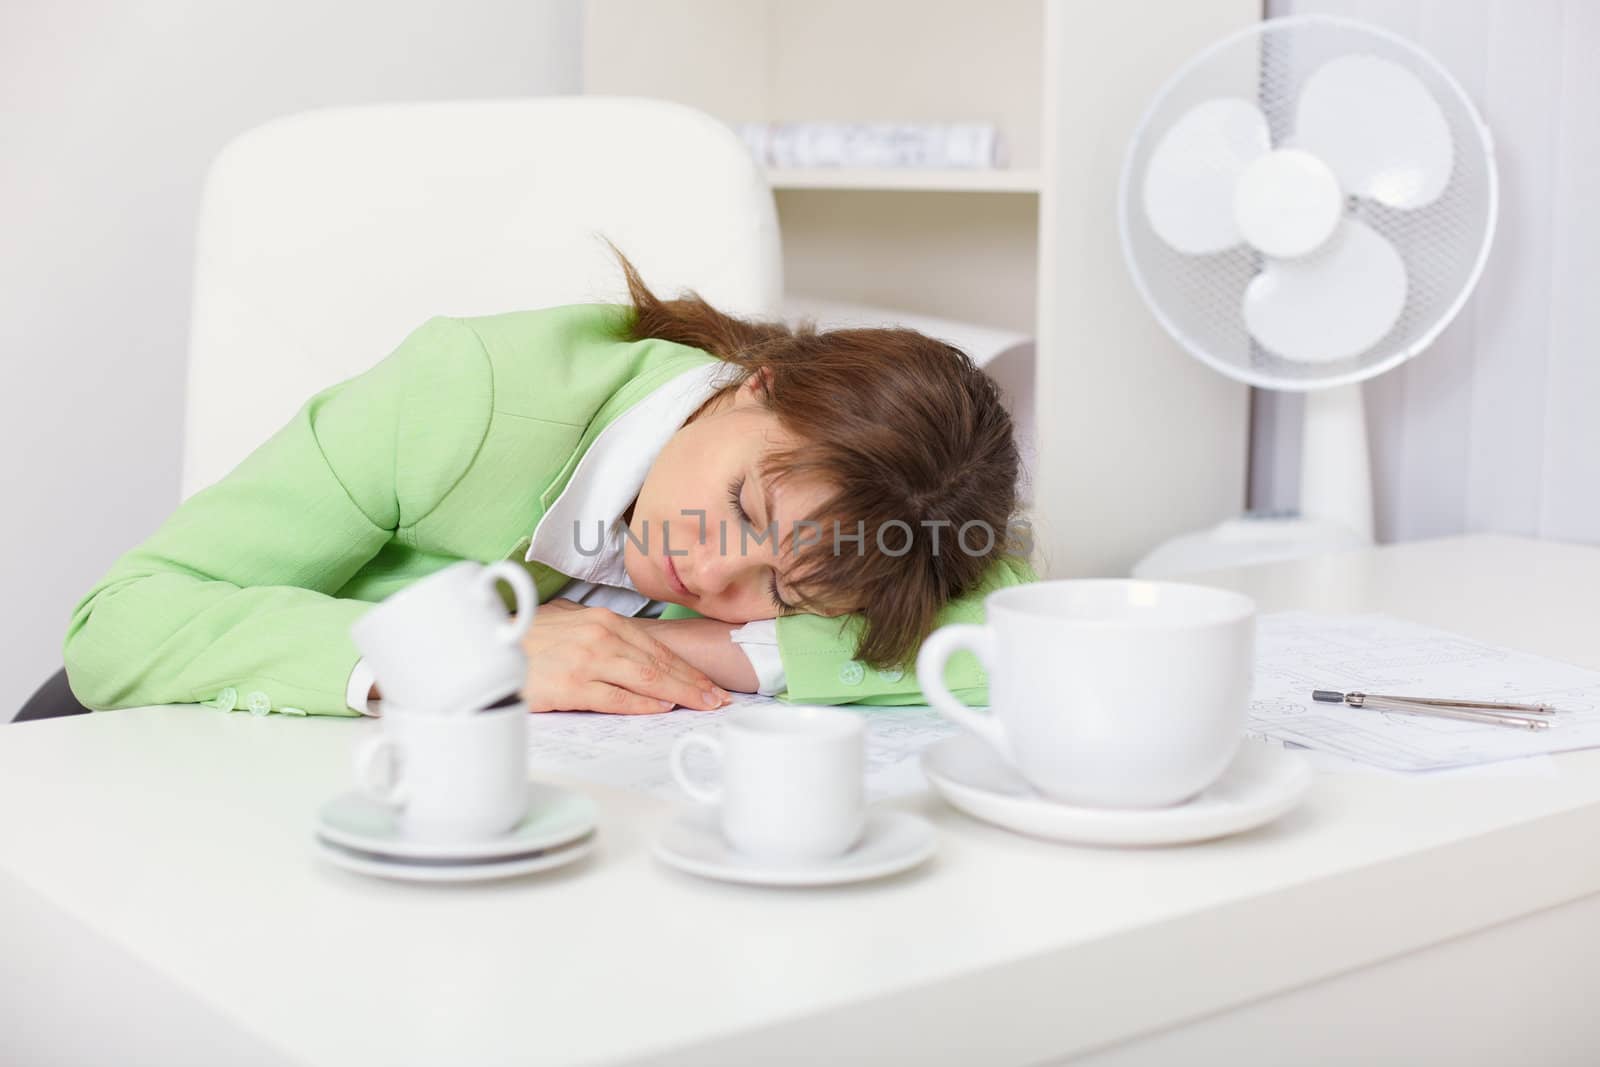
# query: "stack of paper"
[[1297, 652]]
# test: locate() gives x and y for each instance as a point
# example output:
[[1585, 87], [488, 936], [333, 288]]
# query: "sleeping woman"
[[706, 505]]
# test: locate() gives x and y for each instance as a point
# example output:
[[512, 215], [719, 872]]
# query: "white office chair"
[[326, 237]]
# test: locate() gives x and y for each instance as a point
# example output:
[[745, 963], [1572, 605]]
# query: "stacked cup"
[[451, 760]]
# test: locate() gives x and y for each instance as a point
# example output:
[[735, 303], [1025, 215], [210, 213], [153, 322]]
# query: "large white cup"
[[445, 640], [1107, 693], [793, 781], [449, 777]]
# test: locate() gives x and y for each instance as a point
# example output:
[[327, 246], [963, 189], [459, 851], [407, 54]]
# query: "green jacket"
[[450, 448]]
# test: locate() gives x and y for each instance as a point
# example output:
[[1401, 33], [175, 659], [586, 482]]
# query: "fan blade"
[[1332, 305], [1379, 128], [1189, 182]]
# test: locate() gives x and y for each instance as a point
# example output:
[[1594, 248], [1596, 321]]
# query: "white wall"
[[1494, 429], [109, 112]]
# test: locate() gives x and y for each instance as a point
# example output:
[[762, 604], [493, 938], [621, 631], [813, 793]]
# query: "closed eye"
[[735, 489], [735, 493], [777, 601]]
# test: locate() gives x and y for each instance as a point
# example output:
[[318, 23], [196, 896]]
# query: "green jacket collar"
[[635, 389]]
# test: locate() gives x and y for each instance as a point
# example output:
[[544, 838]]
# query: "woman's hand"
[[592, 659]]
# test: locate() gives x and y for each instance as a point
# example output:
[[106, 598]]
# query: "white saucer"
[[555, 817], [892, 842], [443, 870], [1259, 785]]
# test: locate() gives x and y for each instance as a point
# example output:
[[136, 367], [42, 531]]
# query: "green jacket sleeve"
[[235, 591], [819, 667]]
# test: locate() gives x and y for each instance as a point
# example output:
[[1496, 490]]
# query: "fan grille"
[[1199, 298]]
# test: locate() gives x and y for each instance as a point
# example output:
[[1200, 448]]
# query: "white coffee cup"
[[445, 640], [793, 781], [449, 777], [1107, 692]]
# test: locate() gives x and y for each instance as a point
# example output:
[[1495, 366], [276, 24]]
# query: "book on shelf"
[[874, 145]]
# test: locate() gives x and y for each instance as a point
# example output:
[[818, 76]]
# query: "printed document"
[[1297, 652]]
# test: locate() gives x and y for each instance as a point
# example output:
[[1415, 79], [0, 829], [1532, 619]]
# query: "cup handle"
[[936, 651], [527, 598], [386, 786], [709, 742]]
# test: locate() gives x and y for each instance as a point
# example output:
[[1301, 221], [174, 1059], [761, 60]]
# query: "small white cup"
[[1107, 692], [445, 640], [793, 781], [449, 777]]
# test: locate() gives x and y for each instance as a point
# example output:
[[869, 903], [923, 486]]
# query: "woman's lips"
[[673, 579]]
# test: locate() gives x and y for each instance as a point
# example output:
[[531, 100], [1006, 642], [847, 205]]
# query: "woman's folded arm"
[[232, 599]]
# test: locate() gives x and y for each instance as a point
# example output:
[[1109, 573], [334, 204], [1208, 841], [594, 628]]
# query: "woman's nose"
[[711, 567], [720, 572]]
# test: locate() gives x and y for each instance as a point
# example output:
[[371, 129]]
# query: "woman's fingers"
[[669, 665], [633, 671], [613, 700], [583, 691], [591, 659], [660, 657]]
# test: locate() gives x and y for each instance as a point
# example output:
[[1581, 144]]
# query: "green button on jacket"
[[450, 448]]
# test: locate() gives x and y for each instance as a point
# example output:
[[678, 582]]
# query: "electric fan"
[[1306, 204]]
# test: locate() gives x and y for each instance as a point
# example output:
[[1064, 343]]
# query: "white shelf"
[[943, 181]]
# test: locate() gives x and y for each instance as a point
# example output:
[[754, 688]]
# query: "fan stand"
[[1335, 501], [1335, 466]]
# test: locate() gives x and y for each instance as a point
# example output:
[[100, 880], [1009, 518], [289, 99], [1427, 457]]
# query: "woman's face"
[[703, 505]]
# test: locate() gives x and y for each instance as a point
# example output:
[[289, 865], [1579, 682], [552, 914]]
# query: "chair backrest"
[[325, 237]]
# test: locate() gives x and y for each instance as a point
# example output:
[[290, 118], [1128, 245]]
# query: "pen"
[[1527, 716]]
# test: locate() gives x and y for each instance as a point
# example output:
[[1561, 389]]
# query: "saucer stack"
[[362, 835]]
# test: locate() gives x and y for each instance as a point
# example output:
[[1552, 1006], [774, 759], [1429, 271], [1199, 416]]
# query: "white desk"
[[159, 902]]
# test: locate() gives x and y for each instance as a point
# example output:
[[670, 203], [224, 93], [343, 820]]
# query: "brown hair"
[[901, 426]]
